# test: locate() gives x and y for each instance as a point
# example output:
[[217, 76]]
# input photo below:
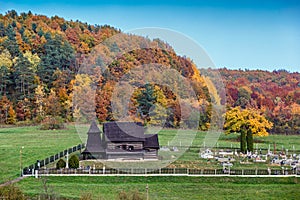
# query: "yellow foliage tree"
[[40, 102], [12, 117], [247, 122]]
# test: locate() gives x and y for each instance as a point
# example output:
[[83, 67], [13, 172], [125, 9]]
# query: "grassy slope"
[[170, 187], [37, 145], [40, 144]]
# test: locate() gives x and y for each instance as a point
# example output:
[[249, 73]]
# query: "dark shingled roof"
[[94, 142], [151, 141], [94, 128], [124, 132]]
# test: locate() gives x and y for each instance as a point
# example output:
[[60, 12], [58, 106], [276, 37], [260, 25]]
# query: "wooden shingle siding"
[[120, 140]]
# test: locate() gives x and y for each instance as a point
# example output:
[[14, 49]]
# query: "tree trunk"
[[243, 141], [249, 141]]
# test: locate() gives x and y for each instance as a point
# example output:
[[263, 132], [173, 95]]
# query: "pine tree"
[[74, 162], [146, 100], [59, 54], [24, 76]]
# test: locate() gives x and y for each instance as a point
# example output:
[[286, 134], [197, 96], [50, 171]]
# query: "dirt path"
[[13, 181]]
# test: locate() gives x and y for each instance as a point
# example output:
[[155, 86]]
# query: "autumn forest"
[[44, 68]]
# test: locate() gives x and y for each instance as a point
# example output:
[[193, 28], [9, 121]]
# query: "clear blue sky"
[[257, 34]]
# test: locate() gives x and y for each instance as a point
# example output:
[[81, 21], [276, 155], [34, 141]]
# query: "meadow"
[[37, 145], [40, 144], [168, 188]]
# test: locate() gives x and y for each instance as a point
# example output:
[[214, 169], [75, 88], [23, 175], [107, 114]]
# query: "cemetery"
[[95, 158]]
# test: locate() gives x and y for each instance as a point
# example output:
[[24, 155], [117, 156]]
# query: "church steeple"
[[94, 145]]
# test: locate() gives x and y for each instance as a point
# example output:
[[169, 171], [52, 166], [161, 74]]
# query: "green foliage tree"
[[74, 162], [5, 80], [24, 76], [59, 54], [5, 71], [10, 43], [60, 164], [247, 122], [146, 100], [243, 97]]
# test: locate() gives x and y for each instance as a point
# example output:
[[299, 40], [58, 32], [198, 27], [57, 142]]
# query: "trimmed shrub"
[[51, 123], [60, 164], [74, 162]]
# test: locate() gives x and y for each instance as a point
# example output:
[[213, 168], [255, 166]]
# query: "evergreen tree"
[[24, 77], [146, 100], [10, 43], [59, 54], [2, 29], [5, 80], [60, 164], [74, 162]]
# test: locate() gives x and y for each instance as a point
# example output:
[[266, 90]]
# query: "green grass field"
[[37, 145], [160, 188], [41, 144]]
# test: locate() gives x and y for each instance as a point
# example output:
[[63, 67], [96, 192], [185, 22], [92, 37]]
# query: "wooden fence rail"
[[38, 168], [41, 163], [163, 171]]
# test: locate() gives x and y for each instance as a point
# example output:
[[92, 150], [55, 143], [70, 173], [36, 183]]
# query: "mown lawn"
[[37, 145], [40, 144], [168, 187]]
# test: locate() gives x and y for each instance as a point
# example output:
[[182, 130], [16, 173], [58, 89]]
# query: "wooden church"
[[120, 140]]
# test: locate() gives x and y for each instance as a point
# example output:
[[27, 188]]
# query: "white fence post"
[[36, 173]]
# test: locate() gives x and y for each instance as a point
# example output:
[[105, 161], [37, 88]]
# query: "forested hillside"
[[41, 57], [41, 61], [276, 94]]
